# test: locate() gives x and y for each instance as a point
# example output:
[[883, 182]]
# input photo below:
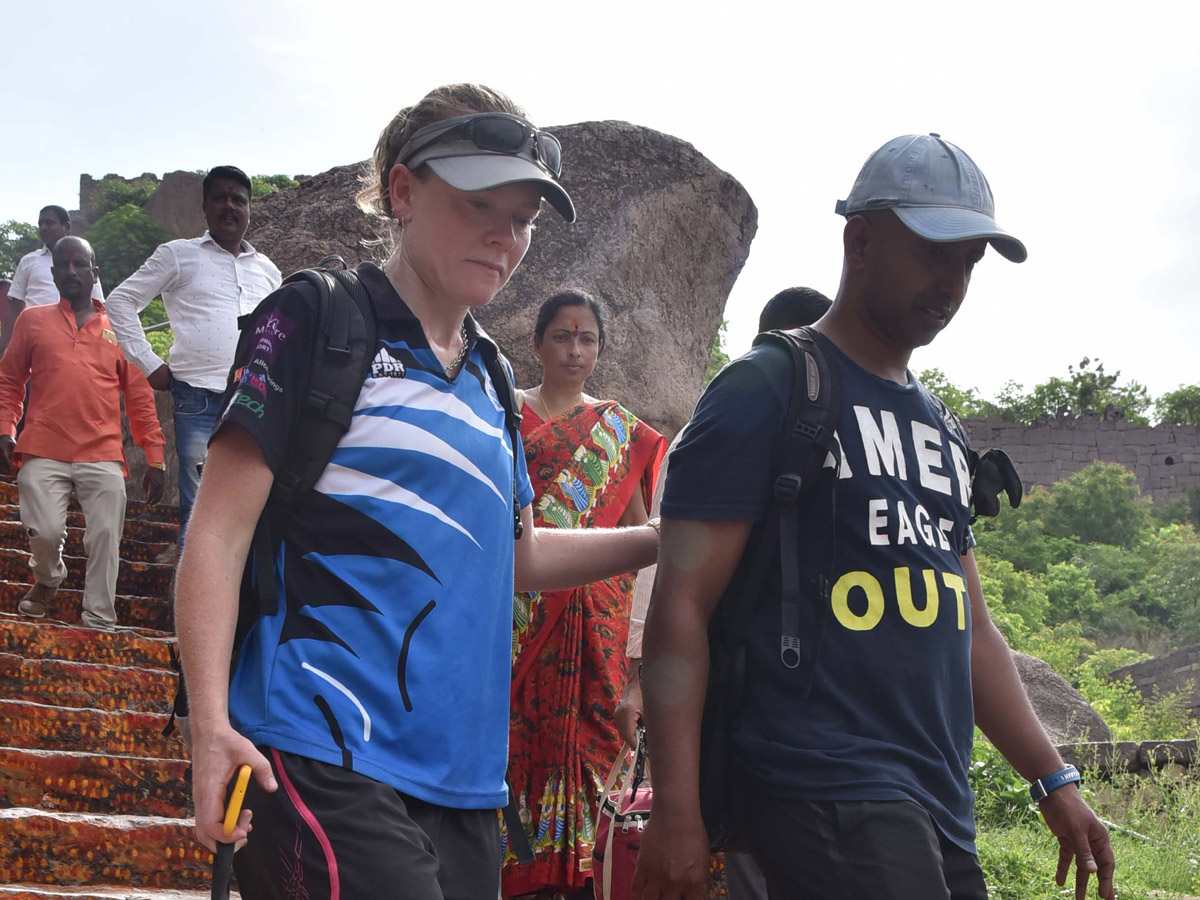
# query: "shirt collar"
[[247, 247], [65, 305]]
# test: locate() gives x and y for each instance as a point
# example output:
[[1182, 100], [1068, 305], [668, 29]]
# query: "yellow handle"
[[234, 809]]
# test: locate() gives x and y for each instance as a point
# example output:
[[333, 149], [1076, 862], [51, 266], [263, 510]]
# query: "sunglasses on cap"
[[490, 132]]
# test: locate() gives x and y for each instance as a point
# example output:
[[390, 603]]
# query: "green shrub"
[[113, 193]]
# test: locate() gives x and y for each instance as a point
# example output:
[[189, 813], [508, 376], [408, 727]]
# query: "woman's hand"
[[217, 753]]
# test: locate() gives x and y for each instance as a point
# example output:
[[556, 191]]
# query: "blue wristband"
[[1040, 789]]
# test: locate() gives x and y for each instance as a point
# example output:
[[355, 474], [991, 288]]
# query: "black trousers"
[[329, 833], [856, 850]]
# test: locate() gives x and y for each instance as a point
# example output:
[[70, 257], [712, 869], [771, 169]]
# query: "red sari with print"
[[569, 646]]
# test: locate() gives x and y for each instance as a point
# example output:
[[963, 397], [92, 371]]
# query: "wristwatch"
[[1040, 789], [161, 466]]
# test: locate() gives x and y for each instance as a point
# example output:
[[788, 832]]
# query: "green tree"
[[268, 184], [123, 239], [963, 402], [1019, 535], [113, 193], [1087, 388], [717, 357], [1100, 504], [16, 239], [1016, 600], [1180, 406]]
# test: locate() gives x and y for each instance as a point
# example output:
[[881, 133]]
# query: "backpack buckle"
[[809, 432], [787, 487], [789, 651]]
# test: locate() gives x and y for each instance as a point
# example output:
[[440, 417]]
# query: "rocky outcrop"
[[298, 226], [661, 237], [1066, 716], [176, 204]]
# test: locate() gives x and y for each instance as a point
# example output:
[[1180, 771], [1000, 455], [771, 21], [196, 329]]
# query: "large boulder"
[[298, 226], [176, 204], [661, 237], [1066, 716]]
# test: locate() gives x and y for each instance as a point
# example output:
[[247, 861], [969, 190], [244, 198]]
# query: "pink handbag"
[[623, 814]]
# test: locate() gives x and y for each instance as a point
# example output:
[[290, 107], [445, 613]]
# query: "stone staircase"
[[94, 801]]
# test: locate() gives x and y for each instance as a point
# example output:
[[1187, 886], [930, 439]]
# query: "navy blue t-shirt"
[[890, 713], [390, 651]]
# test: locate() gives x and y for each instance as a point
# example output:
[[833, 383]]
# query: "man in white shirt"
[[205, 283], [33, 284]]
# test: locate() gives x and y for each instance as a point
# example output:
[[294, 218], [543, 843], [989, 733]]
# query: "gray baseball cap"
[[935, 189]]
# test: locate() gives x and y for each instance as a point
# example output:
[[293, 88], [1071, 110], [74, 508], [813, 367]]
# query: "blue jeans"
[[195, 415]]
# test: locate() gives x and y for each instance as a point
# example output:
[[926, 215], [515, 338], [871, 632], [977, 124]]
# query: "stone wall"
[[1170, 758], [1165, 458], [175, 203], [1178, 671]]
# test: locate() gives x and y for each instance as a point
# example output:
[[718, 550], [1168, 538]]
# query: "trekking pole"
[[223, 862]]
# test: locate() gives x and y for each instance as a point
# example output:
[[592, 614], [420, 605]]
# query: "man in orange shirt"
[[72, 361]]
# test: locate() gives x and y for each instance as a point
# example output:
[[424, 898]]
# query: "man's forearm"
[[674, 678]]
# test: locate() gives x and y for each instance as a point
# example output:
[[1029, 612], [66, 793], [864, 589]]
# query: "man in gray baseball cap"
[[850, 757]]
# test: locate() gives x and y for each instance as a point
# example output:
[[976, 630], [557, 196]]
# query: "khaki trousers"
[[45, 487]]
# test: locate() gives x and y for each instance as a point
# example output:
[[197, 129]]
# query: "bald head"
[[74, 270], [64, 244]]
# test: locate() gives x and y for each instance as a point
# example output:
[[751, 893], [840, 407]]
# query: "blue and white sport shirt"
[[389, 653]]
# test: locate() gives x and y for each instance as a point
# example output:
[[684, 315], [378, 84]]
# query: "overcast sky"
[[1085, 117]]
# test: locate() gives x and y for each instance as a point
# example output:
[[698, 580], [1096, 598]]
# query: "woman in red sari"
[[592, 464]]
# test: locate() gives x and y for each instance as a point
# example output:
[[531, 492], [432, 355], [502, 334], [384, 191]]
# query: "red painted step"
[[134, 509], [48, 892], [39, 847], [45, 639], [147, 530], [94, 783], [139, 612], [12, 535], [141, 579], [86, 685], [34, 726]]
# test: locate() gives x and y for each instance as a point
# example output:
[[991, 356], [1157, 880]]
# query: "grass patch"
[[1157, 853]]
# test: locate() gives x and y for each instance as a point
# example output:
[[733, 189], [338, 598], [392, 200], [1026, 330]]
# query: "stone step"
[[139, 578], [35, 726], [153, 613], [44, 639], [38, 847], [92, 783], [96, 892], [12, 535], [86, 685], [134, 509], [146, 530]]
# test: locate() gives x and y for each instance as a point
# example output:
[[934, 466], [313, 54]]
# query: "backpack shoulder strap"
[[498, 371], [806, 443], [805, 440], [342, 349], [341, 359]]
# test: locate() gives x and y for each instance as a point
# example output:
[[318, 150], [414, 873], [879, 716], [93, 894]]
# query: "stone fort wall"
[[1165, 458]]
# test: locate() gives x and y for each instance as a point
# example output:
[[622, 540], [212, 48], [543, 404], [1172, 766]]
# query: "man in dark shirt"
[[858, 787]]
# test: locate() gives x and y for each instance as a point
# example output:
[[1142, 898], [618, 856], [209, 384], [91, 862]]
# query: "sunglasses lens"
[[550, 153], [498, 134]]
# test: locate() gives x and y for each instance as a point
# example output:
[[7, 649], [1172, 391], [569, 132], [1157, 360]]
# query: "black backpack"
[[802, 510]]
